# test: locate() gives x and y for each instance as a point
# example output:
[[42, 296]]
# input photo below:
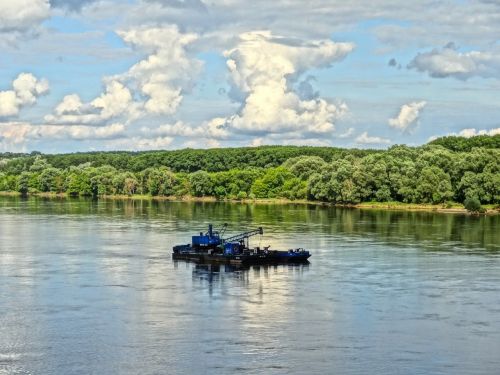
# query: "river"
[[89, 287]]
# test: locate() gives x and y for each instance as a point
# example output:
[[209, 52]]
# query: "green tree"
[[78, 181], [160, 181], [434, 186], [295, 188], [50, 180], [39, 164], [201, 184], [271, 184], [3, 182], [23, 182], [305, 166], [130, 185]]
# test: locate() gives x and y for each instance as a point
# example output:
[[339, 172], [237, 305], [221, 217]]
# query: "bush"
[[241, 195], [220, 192], [472, 204]]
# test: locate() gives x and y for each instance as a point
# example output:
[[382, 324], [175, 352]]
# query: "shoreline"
[[394, 206]]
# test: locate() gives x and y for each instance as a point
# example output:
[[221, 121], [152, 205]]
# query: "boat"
[[211, 247]]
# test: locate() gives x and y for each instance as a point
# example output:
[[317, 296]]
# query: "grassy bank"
[[450, 207]]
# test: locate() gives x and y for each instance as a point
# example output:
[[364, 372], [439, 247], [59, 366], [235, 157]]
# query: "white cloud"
[[263, 69], [213, 143], [13, 134], [20, 18], [256, 142], [467, 133], [293, 139], [21, 15], [167, 71], [316, 142], [202, 143], [26, 88], [71, 104], [176, 129], [9, 104], [210, 129], [449, 62], [470, 23], [115, 102], [415, 24], [153, 86], [408, 115], [364, 138], [267, 72], [140, 143], [347, 133]]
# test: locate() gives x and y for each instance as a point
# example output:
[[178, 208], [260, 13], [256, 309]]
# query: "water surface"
[[89, 288]]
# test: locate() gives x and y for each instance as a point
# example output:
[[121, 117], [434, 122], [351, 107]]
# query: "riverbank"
[[451, 207]]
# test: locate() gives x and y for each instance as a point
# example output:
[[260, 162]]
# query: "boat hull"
[[273, 257]]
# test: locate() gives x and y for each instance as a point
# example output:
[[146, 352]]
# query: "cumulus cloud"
[[153, 86], [364, 138], [266, 70], [263, 69], [167, 72], [71, 104], [450, 62], [408, 115], [9, 104], [116, 101], [26, 88]]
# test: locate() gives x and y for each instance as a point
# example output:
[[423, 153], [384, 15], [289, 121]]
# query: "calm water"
[[90, 288]]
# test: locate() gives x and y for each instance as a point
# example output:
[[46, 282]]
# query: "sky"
[[87, 75]]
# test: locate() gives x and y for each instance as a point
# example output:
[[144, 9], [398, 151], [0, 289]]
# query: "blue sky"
[[165, 74]]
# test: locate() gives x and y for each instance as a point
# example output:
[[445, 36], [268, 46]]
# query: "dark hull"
[[276, 257]]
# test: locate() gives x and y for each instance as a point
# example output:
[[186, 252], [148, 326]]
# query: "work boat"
[[211, 247]]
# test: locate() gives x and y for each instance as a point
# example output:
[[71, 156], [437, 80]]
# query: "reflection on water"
[[434, 231], [217, 275], [90, 287]]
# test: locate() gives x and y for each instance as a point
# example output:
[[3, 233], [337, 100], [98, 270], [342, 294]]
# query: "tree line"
[[434, 173], [185, 160]]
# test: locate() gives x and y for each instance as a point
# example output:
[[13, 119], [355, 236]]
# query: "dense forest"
[[447, 169]]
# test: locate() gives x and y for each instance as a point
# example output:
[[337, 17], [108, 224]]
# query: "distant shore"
[[444, 207]]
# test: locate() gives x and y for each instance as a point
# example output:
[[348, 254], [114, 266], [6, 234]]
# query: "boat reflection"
[[216, 272]]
